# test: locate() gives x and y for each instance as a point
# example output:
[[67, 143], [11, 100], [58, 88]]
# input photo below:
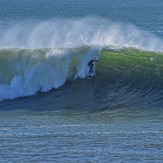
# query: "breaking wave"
[[43, 56]]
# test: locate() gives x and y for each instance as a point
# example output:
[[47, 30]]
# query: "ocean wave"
[[24, 72], [43, 56]]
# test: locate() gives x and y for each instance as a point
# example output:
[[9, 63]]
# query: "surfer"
[[90, 63]]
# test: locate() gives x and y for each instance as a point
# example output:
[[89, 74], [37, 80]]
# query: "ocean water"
[[50, 111]]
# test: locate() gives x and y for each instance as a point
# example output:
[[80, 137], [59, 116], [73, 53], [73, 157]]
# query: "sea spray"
[[89, 31]]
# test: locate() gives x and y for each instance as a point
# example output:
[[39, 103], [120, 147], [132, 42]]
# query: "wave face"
[[47, 55], [131, 77]]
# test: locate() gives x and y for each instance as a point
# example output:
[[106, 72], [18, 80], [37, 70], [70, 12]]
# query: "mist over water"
[[89, 31]]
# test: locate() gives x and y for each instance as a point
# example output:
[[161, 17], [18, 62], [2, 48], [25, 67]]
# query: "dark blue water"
[[50, 111]]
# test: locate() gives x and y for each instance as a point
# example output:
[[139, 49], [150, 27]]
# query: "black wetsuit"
[[90, 63]]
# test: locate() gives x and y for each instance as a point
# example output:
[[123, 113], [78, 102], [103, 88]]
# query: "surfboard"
[[90, 73]]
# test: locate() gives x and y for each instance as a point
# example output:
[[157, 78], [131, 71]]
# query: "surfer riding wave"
[[90, 64]]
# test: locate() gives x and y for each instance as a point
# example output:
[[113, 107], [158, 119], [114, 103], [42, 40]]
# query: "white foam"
[[42, 70]]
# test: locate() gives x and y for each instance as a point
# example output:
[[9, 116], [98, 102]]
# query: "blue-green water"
[[50, 111]]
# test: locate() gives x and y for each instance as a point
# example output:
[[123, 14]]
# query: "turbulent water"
[[50, 111]]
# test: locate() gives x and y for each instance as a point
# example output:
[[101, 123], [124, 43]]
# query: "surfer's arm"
[[91, 62], [96, 61]]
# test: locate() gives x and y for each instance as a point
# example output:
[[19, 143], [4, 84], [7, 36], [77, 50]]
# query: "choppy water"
[[50, 111], [111, 136]]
